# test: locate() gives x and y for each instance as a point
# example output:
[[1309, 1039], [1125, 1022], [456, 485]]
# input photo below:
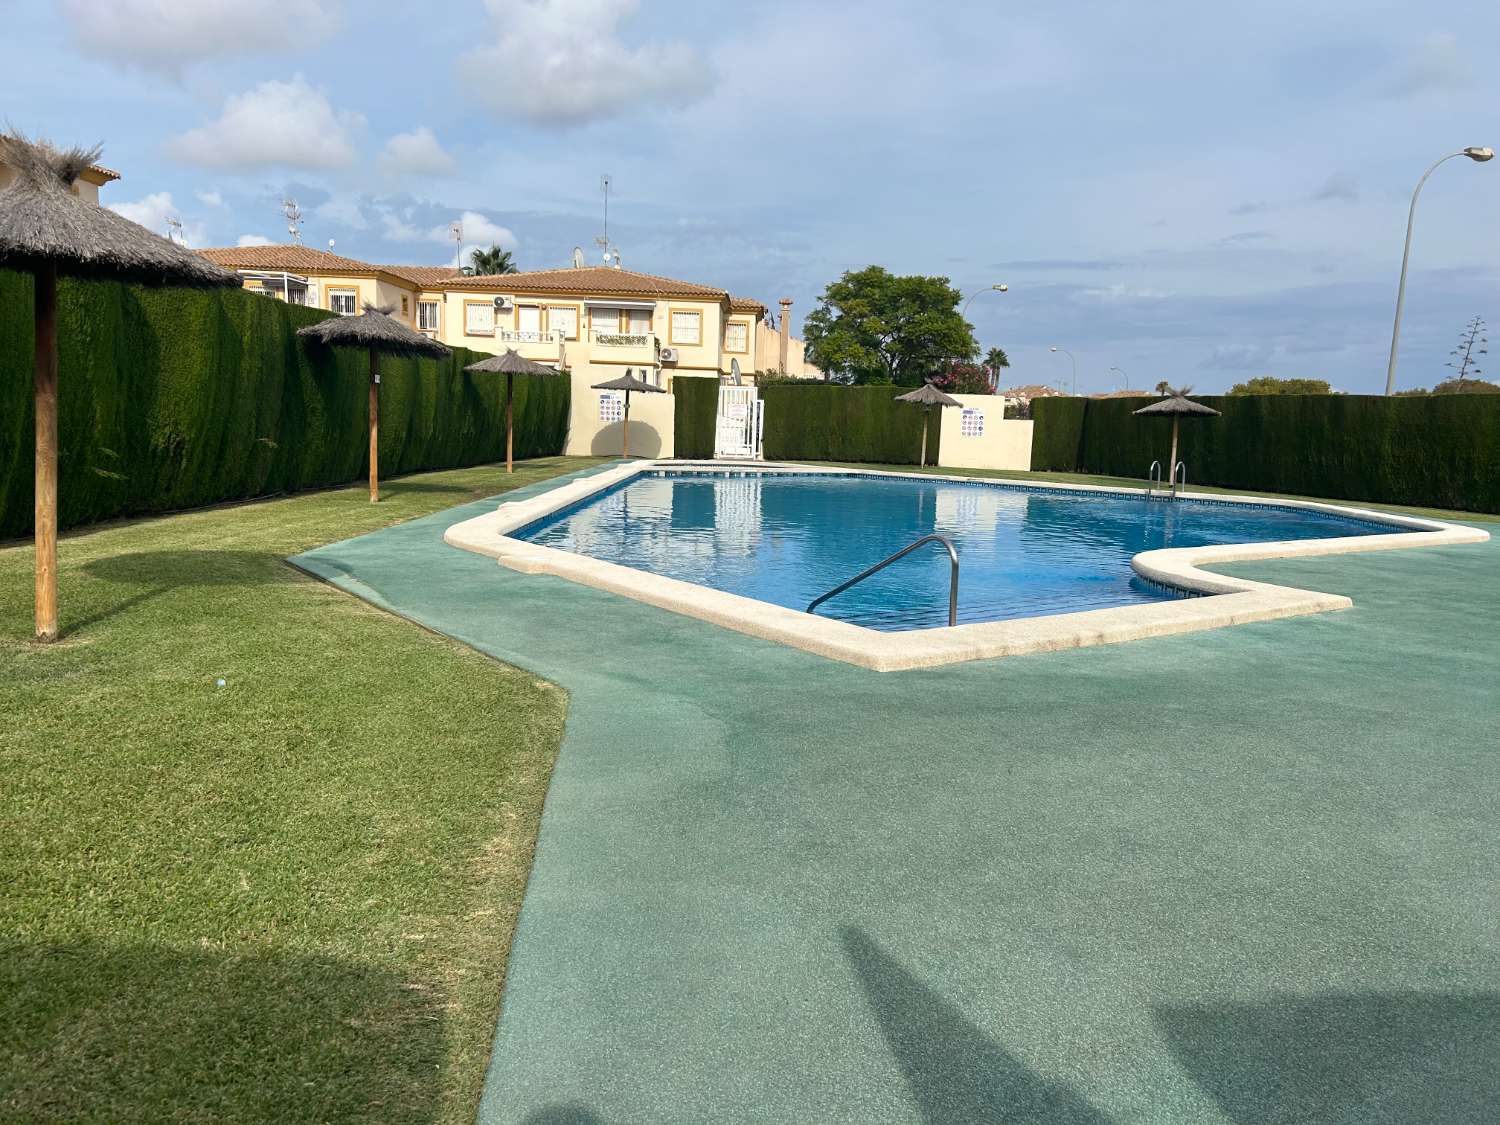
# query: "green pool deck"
[[1241, 876]]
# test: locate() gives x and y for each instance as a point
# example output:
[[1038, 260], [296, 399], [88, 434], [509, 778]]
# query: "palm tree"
[[493, 260], [994, 360]]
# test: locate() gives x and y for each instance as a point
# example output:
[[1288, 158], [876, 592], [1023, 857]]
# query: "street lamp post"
[[998, 287], [1479, 156], [1124, 376], [1055, 348]]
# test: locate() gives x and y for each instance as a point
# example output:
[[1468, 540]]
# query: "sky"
[[1193, 192]]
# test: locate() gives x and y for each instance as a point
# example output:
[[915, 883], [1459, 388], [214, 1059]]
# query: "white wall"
[[652, 417], [1006, 443]]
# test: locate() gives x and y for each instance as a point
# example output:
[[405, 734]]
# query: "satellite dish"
[[330, 246], [734, 371], [578, 257]]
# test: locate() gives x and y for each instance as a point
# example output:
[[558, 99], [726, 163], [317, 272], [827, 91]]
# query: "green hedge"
[[1441, 451], [177, 398], [1057, 433], [831, 422], [695, 413]]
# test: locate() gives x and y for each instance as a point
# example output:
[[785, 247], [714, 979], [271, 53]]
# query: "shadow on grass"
[[148, 1033], [955, 1071], [158, 572], [1345, 1057]]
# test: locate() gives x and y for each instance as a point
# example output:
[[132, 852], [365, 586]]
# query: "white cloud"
[[277, 124], [478, 231], [210, 198], [253, 240], [154, 210], [562, 62], [344, 209], [417, 153], [1439, 65], [167, 35]]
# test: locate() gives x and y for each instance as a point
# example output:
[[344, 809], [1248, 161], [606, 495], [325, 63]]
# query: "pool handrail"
[[1179, 469], [901, 554], [1153, 478]]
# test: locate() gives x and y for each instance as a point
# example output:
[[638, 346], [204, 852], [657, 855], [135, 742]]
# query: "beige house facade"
[[595, 320], [86, 186]]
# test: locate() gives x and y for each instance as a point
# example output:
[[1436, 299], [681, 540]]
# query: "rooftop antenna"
[[456, 232], [174, 230], [330, 246], [293, 215], [578, 257]]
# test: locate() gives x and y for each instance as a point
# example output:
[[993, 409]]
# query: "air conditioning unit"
[[502, 304], [669, 355]]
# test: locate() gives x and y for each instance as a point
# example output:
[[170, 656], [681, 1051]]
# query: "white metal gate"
[[741, 420]]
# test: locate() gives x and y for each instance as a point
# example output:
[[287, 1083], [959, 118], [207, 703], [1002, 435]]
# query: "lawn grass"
[[1137, 483], [287, 898]]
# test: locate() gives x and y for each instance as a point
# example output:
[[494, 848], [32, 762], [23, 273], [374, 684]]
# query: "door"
[[740, 423], [529, 322]]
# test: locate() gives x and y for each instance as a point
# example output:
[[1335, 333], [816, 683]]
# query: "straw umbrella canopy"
[[49, 232], [1177, 404], [627, 383], [375, 331], [511, 363], [927, 396]]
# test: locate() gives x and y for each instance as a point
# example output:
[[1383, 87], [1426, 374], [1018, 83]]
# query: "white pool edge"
[[1236, 601]]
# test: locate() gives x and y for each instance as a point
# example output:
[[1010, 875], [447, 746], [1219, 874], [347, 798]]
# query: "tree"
[[995, 360], [960, 378], [1471, 345], [492, 261], [1270, 385], [871, 326], [1164, 388]]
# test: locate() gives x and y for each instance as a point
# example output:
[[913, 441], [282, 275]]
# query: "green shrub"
[[1435, 451], [179, 398], [1057, 433], [695, 416], [833, 422]]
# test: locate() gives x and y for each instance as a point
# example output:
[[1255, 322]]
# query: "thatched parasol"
[[510, 363], [1177, 404], [48, 231], [927, 396], [627, 383], [375, 331]]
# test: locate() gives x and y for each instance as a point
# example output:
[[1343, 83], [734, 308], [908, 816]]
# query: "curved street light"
[[1055, 348], [1124, 376], [998, 288], [1479, 156]]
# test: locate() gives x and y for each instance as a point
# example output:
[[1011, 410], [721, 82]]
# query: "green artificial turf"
[[1237, 877], [287, 898]]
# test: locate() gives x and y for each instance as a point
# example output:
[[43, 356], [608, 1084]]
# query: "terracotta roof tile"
[[284, 257], [590, 280], [746, 304], [425, 277]]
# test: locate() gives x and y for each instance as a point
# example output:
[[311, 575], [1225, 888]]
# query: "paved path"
[[1241, 876]]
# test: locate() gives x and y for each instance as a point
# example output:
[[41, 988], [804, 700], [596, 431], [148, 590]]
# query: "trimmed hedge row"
[[174, 399], [695, 417], [1439, 451], [831, 422]]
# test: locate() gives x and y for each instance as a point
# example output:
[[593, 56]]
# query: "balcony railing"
[[513, 336], [623, 339]]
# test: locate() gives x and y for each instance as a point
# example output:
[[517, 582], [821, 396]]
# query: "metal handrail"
[[901, 554], [1182, 467], [1153, 478]]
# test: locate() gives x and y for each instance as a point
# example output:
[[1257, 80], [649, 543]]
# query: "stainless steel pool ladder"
[[1153, 479], [901, 554], [1179, 469]]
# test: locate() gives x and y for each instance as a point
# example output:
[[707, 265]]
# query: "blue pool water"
[[786, 539]]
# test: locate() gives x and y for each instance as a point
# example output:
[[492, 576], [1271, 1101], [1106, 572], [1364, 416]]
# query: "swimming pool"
[[784, 538]]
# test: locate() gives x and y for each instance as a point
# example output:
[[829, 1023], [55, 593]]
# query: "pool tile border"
[[1237, 600]]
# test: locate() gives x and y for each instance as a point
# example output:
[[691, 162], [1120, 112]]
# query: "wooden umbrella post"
[[509, 423], [922, 459], [45, 524], [1172, 464], [374, 426]]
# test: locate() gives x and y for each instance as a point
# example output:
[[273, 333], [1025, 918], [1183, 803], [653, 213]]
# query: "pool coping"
[[1236, 601]]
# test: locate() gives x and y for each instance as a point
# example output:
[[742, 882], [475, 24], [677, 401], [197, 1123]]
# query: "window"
[[971, 423], [405, 308], [427, 316], [639, 322], [529, 321], [737, 336], [479, 318], [687, 327], [343, 301], [563, 319], [605, 320]]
